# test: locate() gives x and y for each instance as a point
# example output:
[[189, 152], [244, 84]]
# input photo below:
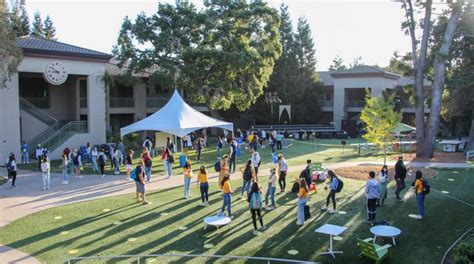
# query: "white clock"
[[55, 73]]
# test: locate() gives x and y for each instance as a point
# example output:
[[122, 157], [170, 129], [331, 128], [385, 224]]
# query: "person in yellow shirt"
[[227, 195], [420, 196], [203, 183], [224, 163], [188, 174], [302, 200]]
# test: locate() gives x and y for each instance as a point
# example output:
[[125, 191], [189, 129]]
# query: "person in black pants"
[[233, 155], [282, 171], [333, 184], [372, 192], [400, 175], [12, 169], [255, 207]]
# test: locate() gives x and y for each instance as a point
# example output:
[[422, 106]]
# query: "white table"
[[385, 231], [331, 230], [216, 221], [450, 145]]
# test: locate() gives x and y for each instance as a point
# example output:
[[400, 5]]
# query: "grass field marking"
[[454, 198]]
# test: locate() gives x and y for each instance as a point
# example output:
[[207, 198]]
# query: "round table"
[[216, 221], [385, 231]]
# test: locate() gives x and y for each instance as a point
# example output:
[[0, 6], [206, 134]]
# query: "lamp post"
[[271, 98]]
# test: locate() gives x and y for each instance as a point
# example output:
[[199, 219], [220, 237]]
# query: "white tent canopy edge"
[[176, 118]]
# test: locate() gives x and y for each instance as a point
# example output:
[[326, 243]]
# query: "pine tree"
[[18, 18], [337, 64], [37, 25], [305, 46], [49, 31], [25, 21]]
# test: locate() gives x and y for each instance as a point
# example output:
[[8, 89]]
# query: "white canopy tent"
[[176, 118]]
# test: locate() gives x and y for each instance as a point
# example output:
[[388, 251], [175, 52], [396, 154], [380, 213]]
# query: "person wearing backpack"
[[64, 165], [227, 196], [76, 161], [140, 185], [128, 162], [101, 158], [247, 174], [169, 162], [233, 155], [45, 174], [147, 163], [271, 190], [333, 187], [11, 165], [420, 187], [255, 202], [372, 194], [302, 200], [203, 183], [188, 175]]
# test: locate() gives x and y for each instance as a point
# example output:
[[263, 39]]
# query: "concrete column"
[[338, 105], [139, 94], [10, 135], [96, 107]]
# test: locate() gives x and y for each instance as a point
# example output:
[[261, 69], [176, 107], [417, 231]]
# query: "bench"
[[373, 251], [469, 154]]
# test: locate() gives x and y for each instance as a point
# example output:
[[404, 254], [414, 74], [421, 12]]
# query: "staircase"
[[57, 132]]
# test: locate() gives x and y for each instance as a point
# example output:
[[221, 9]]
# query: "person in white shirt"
[[372, 192], [45, 168], [255, 161], [94, 154], [39, 155], [11, 164], [282, 170], [263, 138]]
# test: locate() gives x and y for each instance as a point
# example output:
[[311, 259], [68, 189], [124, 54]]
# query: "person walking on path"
[[121, 147], [169, 162], [383, 182], [271, 190], [25, 149], [255, 202], [272, 142], [64, 165], [11, 165], [306, 173], [76, 161], [333, 184], [203, 183], [420, 196], [188, 175], [233, 155], [400, 175], [247, 175], [302, 200], [147, 163], [101, 162], [128, 162], [372, 194], [282, 171], [227, 196], [140, 185], [224, 169], [199, 144], [88, 152], [255, 162], [94, 154], [45, 168]]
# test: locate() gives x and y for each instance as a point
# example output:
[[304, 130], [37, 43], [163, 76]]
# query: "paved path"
[[28, 197]]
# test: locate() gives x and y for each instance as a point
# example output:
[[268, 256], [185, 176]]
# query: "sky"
[[350, 28]]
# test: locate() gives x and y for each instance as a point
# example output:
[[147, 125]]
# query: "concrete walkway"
[[28, 197]]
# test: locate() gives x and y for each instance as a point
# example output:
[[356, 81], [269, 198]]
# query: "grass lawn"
[[172, 224]]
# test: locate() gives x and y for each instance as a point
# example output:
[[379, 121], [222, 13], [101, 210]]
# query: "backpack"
[[256, 201], [101, 160], [75, 160], [170, 158], [426, 187], [9, 165], [307, 214], [219, 144], [133, 174], [217, 166], [340, 185], [247, 174]]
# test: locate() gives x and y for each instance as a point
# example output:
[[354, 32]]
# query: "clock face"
[[55, 73]]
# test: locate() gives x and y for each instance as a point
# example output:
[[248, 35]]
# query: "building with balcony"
[[344, 94]]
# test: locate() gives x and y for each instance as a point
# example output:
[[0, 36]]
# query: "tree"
[[380, 120], [356, 62], [37, 26], [10, 54], [18, 18], [221, 55], [49, 31], [426, 133], [337, 64]]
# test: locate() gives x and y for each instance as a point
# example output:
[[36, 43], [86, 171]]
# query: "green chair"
[[318, 166], [373, 251]]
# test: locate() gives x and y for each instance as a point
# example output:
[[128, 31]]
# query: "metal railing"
[[327, 103], [39, 139], [40, 102], [145, 258], [153, 102], [118, 102], [33, 110], [83, 102], [354, 103], [60, 136]]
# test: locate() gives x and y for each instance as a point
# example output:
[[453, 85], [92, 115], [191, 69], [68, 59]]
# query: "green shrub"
[[464, 253]]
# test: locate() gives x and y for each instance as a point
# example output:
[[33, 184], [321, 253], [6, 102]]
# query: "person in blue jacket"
[[333, 184], [24, 153]]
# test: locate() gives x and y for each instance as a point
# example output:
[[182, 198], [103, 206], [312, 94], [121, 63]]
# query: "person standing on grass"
[[169, 162], [271, 190], [220, 144], [188, 175], [199, 144], [45, 174], [278, 138], [12, 168], [117, 157], [272, 142], [306, 173], [227, 196], [147, 144], [89, 152], [255, 201], [333, 183], [76, 161], [94, 155], [247, 175], [224, 169], [420, 196], [203, 183], [383, 182], [147, 163], [128, 162], [302, 200], [101, 158], [372, 194], [140, 185], [64, 165], [24, 148], [282, 171], [255, 162], [233, 155], [121, 147], [400, 175]]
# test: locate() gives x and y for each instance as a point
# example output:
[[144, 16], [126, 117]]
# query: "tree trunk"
[[438, 83], [470, 145]]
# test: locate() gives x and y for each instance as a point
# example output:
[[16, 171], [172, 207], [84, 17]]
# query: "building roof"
[[364, 71], [39, 47], [325, 77]]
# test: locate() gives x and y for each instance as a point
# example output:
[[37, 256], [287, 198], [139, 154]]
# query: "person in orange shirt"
[[203, 183], [420, 196], [227, 195], [224, 169], [302, 200], [188, 174]]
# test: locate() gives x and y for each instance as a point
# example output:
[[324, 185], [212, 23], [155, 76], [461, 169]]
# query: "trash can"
[[275, 158], [237, 152], [182, 160]]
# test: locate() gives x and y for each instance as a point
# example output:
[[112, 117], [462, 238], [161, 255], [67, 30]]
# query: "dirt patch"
[[362, 172], [442, 157]]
